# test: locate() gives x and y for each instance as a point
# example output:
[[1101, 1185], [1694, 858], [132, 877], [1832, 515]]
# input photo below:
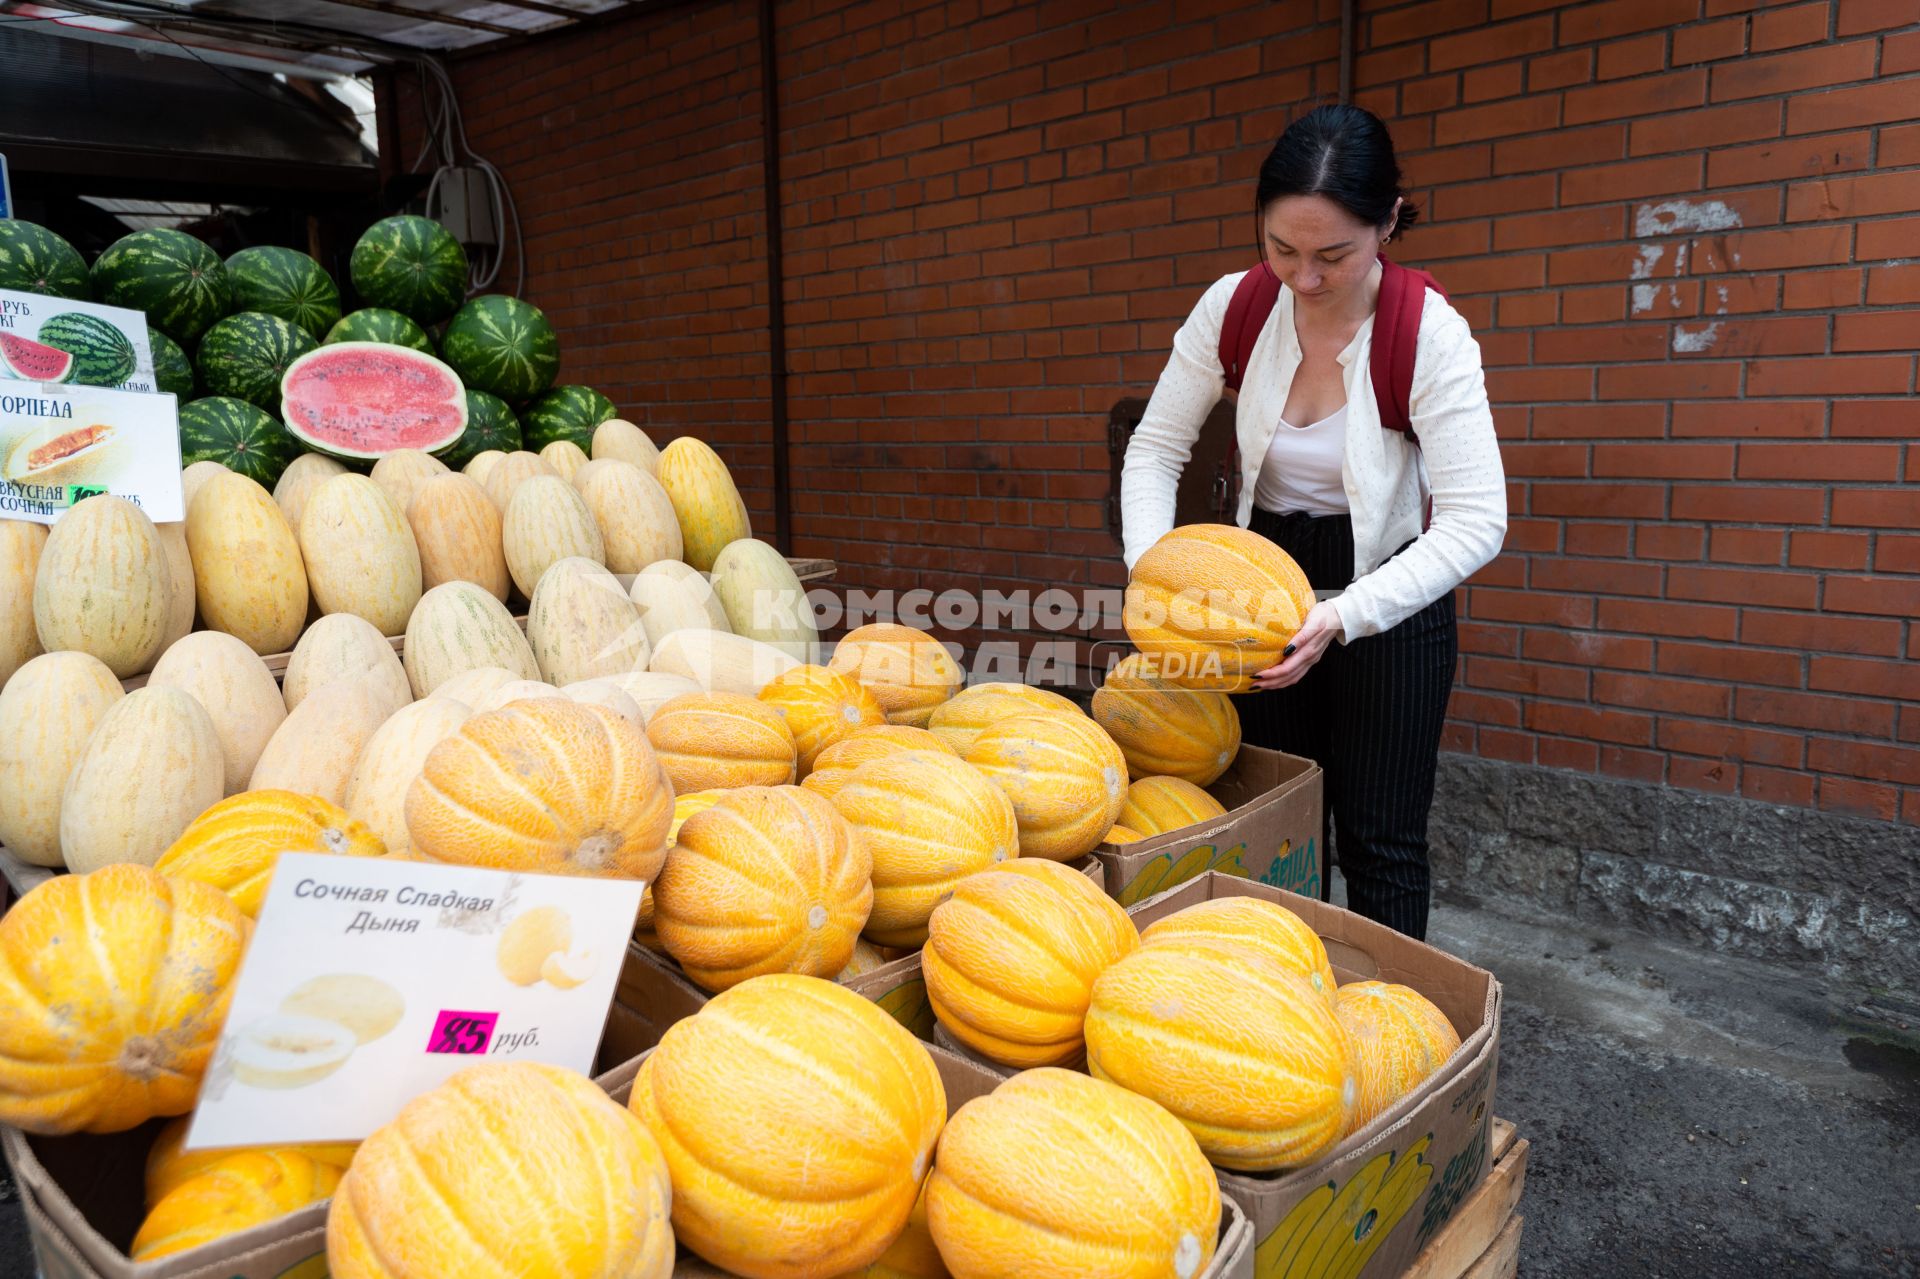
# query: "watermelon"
[[179, 282], [245, 356], [490, 425], [30, 361], [361, 400], [172, 371], [35, 260], [565, 413], [285, 283], [502, 346], [377, 324], [410, 265], [102, 354], [237, 435]]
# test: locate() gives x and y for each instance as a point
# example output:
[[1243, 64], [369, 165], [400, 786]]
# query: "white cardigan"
[[1387, 476]]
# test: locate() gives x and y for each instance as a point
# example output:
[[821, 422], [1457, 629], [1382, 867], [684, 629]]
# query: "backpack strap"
[[1253, 300], [1396, 336]]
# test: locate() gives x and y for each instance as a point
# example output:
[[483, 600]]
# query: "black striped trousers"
[[1370, 713]]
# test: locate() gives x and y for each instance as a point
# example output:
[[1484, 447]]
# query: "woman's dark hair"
[[1343, 153]]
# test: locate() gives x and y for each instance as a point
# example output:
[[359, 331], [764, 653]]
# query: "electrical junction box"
[[462, 202]]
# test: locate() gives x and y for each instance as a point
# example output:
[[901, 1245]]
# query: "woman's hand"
[[1322, 627]]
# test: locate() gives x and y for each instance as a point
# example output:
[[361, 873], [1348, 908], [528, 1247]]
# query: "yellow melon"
[[565, 457], [634, 513], [238, 1192], [503, 477], [770, 879], [507, 1168], [1056, 1174], [457, 528], [1260, 927], [618, 439], [685, 806], [866, 958], [1399, 1040], [768, 1185], [834, 765], [1212, 605], [1011, 959], [104, 585], [821, 707], [1064, 775], [550, 787], [929, 820], [360, 554], [1156, 805], [401, 473], [247, 570], [113, 989], [547, 522], [908, 671], [1122, 835], [709, 741], [168, 1165], [974, 709], [705, 500], [296, 484], [234, 845], [1173, 1019], [1164, 729]]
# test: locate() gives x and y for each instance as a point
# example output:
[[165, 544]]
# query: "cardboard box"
[[650, 996], [964, 1081], [1387, 1189], [1270, 834], [898, 987]]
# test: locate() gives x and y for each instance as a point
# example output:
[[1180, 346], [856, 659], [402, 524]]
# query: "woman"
[[1363, 689]]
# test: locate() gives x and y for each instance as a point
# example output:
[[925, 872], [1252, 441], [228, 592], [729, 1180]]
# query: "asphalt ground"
[[1691, 1115]]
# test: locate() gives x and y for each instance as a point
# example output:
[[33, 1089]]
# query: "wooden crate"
[[1483, 1239]]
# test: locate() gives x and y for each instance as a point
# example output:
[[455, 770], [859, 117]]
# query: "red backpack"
[[1396, 330]]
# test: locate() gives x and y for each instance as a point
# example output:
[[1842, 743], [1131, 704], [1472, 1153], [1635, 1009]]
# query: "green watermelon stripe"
[[411, 265], [245, 355], [102, 354], [238, 436], [178, 281], [285, 283], [35, 260], [502, 346]]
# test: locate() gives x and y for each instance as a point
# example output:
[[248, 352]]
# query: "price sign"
[[369, 982]]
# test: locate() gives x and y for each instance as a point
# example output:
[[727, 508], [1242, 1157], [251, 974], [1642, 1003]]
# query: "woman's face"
[[1319, 250]]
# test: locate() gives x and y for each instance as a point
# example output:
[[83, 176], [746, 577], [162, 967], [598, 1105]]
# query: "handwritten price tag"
[[462, 1032]]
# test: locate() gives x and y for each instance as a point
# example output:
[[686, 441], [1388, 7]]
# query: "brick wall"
[[1678, 227]]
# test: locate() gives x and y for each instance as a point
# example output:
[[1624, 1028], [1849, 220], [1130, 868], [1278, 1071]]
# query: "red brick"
[[1574, 498], [1867, 637], [1811, 710], [1877, 508], [1854, 197], [1435, 93], [1595, 306], [1672, 696], [1635, 765], [1484, 44], [1685, 380], [1422, 20], [1531, 678], [1865, 760], [1883, 596], [1823, 290], [1900, 54], [1515, 386], [1590, 724], [1730, 742], [1899, 147], [1765, 250], [1829, 550], [1575, 226], [1558, 70], [1663, 461], [1891, 555], [1859, 799], [1589, 345], [1746, 503], [1670, 542], [1709, 41], [1559, 460], [1586, 649], [1777, 786], [1597, 538], [1790, 158], [1531, 607], [1827, 461], [1790, 27], [1711, 127], [1621, 17], [1802, 419], [1743, 586], [1597, 577], [1804, 69], [1881, 419], [1877, 331], [1501, 120], [1856, 17], [1481, 708], [1560, 149], [1650, 95], [1560, 752], [1766, 547], [1730, 662], [1484, 84], [1529, 310], [1843, 375], [1683, 621], [1894, 679]]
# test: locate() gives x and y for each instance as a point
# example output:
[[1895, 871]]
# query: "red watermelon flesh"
[[34, 361], [368, 399]]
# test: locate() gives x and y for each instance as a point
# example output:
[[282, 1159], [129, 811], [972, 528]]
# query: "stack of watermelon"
[[264, 338]]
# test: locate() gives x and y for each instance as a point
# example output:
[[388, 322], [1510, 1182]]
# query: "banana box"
[[1367, 1208], [1271, 834], [898, 987], [963, 1081]]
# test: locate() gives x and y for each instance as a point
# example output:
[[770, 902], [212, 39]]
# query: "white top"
[[1386, 475], [1303, 468]]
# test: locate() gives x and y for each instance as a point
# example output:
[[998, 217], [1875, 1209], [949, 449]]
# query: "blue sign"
[[6, 190]]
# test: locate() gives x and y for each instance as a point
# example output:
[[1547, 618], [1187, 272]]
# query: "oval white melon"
[[720, 662], [150, 767], [666, 605], [392, 758], [606, 692], [103, 586], [481, 465], [697, 584], [344, 646], [620, 439], [360, 554], [633, 512], [471, 686], [582, 625], [314, 749], [247, 569], [547, 522], [48, 710], [565, 457], [195, 475], [457, 529], [21, 542], [303, 475], [234, 687], [458, 627], [650, 689], [504, 478], [173, 537], [401, 473], [764, 598], [519, 690]]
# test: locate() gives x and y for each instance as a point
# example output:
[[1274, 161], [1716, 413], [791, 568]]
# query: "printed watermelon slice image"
[[34, 361], [363, 400]]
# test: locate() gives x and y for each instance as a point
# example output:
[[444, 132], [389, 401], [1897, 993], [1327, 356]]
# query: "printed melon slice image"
[[363, 400], [34, 361]]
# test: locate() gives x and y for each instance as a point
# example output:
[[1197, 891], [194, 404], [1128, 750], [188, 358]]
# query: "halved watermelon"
[[364, 400], [33, 361]]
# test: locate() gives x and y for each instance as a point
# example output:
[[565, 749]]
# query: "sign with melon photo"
[[62, 444]]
